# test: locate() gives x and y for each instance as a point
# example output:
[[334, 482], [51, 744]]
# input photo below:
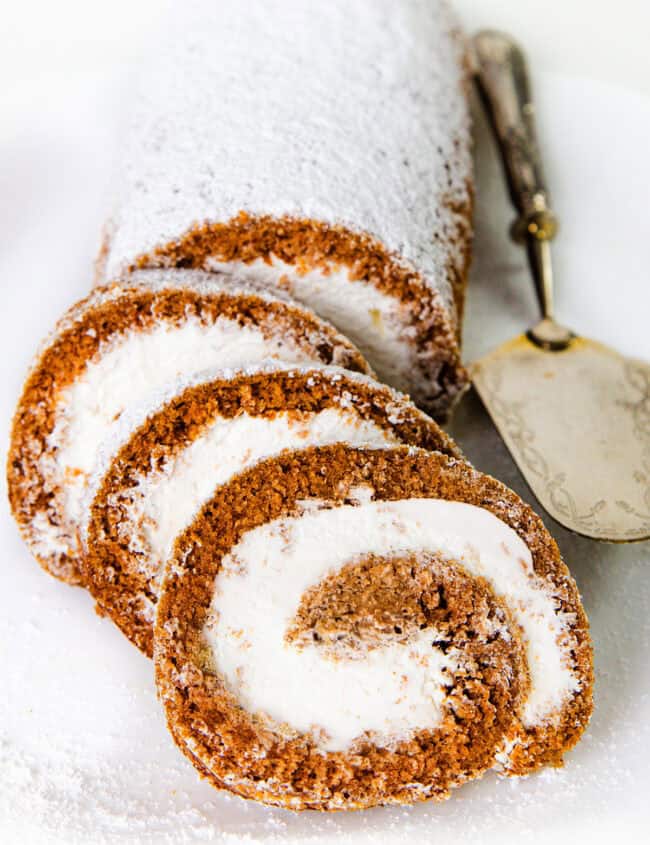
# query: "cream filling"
[[135, 366], [393, 690], [165, 503], [370, 318]]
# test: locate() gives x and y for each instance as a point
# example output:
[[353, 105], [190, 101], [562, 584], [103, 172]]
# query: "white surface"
[[261, 584], [84, 755], [591, 38]]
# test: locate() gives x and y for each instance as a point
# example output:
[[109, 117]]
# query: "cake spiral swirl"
[[346, 627]]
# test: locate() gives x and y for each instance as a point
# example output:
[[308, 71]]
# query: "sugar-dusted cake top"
[[347, 112]]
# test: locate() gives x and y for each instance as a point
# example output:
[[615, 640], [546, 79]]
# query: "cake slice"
[[115, 348], [343, 627]]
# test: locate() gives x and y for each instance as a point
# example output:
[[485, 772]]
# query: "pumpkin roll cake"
[[156, 483], [118, 347], [323, 148], [342, 627]]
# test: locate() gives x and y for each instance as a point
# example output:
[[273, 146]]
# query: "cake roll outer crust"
[[260, 322], [293, 407], [321, 147], [239, 750]]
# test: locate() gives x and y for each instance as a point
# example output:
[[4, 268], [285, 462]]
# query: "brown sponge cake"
[[192, 441], [114, 349], [343, 627]]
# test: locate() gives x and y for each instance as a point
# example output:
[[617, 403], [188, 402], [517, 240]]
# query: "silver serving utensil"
[[574, 413]]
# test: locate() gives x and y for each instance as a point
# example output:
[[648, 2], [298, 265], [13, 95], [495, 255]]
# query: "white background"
[[601, 39], [84, 756]]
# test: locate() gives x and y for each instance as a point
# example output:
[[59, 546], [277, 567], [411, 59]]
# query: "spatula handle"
[[502, 81]]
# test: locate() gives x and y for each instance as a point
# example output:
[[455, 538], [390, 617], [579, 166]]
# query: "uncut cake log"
[[112, 350], [344, 627], [199, 435], [321, 147]]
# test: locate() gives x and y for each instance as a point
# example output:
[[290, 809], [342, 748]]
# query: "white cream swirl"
[[396, 689]]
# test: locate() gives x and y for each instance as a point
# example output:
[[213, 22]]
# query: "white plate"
[[84, 754]]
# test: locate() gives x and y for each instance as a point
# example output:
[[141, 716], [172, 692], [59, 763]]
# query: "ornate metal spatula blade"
[[574, 414], [577, 423]]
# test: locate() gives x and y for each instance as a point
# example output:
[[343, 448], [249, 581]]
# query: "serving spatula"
[[574, 413]]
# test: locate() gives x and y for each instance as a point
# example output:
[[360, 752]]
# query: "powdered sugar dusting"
[[350, 112], [206, 143]]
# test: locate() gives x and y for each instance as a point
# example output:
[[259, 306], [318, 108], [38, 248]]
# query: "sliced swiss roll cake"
[[342, 627], [117, 347], [200, 435], [323, 148]]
